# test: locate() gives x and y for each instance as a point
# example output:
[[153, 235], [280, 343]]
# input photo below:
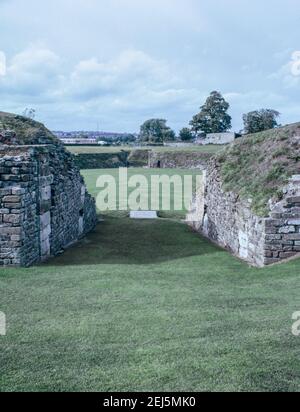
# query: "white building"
[[217, 138], [79, 141]]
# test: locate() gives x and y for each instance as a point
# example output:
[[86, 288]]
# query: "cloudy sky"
[[120, 62]]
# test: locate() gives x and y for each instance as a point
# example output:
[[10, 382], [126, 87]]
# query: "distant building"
[[217, 138], [90, 137], [79, 141]]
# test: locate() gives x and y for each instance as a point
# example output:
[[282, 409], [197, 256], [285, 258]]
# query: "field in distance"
[[116, 149], [91, 177]]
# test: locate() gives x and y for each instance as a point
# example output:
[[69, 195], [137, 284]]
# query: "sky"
[[112, 64]]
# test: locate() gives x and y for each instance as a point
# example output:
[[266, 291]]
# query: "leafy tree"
[[130, 138], [156, 131], [213, 116], [185, 134], [29, 113], [170, 136], [260, 120]]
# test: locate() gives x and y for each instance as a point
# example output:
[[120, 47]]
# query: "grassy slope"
[[149, 305], [94, 149], [259, 165], [28, 131]]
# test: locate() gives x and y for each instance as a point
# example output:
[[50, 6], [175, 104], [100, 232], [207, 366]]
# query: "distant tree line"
[[212, 118]]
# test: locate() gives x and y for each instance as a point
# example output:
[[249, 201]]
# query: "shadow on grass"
[[127, 241]]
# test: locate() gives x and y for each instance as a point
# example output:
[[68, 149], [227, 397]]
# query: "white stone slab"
[[244, 244], [143, 214]]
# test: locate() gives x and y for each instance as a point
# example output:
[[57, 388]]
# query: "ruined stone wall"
[[179, 160], [229, 221], [19, 243], [139, 158], [282, 228], [125, 158], [101, 160], [44, 205]]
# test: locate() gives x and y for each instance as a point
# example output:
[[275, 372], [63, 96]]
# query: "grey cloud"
[[120, 62]]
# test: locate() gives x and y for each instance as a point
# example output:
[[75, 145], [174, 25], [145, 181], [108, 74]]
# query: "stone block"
[[18, 191], [11, 199], [5, 192], [273, 222], [273, 237], [45, 248], [45, 220], [293, 199], [286, 255], [45, 233], [287, 229], [45, 193], [12, 178], [11, 218], [295, 222], [12, 205], [294, 236]]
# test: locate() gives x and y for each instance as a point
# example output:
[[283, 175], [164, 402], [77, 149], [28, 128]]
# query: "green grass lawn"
[[100, 149], [92, 175], [149, 305]]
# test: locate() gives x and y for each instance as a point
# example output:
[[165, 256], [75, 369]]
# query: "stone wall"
[[44, 205], [130, 158], [229, 221], [282, 228], [139, 158], [179, 160], [143, 158], [101, 160]]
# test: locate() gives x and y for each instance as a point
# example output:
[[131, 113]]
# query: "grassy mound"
[[138, 158], [20, 130], [258, 166]]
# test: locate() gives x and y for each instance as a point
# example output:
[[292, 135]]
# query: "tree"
[[185, 134], [156, 131], [129, 138], [213, 116], [29, 113], [260, 120]]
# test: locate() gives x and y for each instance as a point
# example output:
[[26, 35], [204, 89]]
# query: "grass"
[[27, 131], [91, 177], [94, 149], [258, 166], [149, 305]]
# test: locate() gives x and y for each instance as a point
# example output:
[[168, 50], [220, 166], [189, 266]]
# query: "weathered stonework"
[[179, 160], [44, 205], [229, 221], [101, 160]]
